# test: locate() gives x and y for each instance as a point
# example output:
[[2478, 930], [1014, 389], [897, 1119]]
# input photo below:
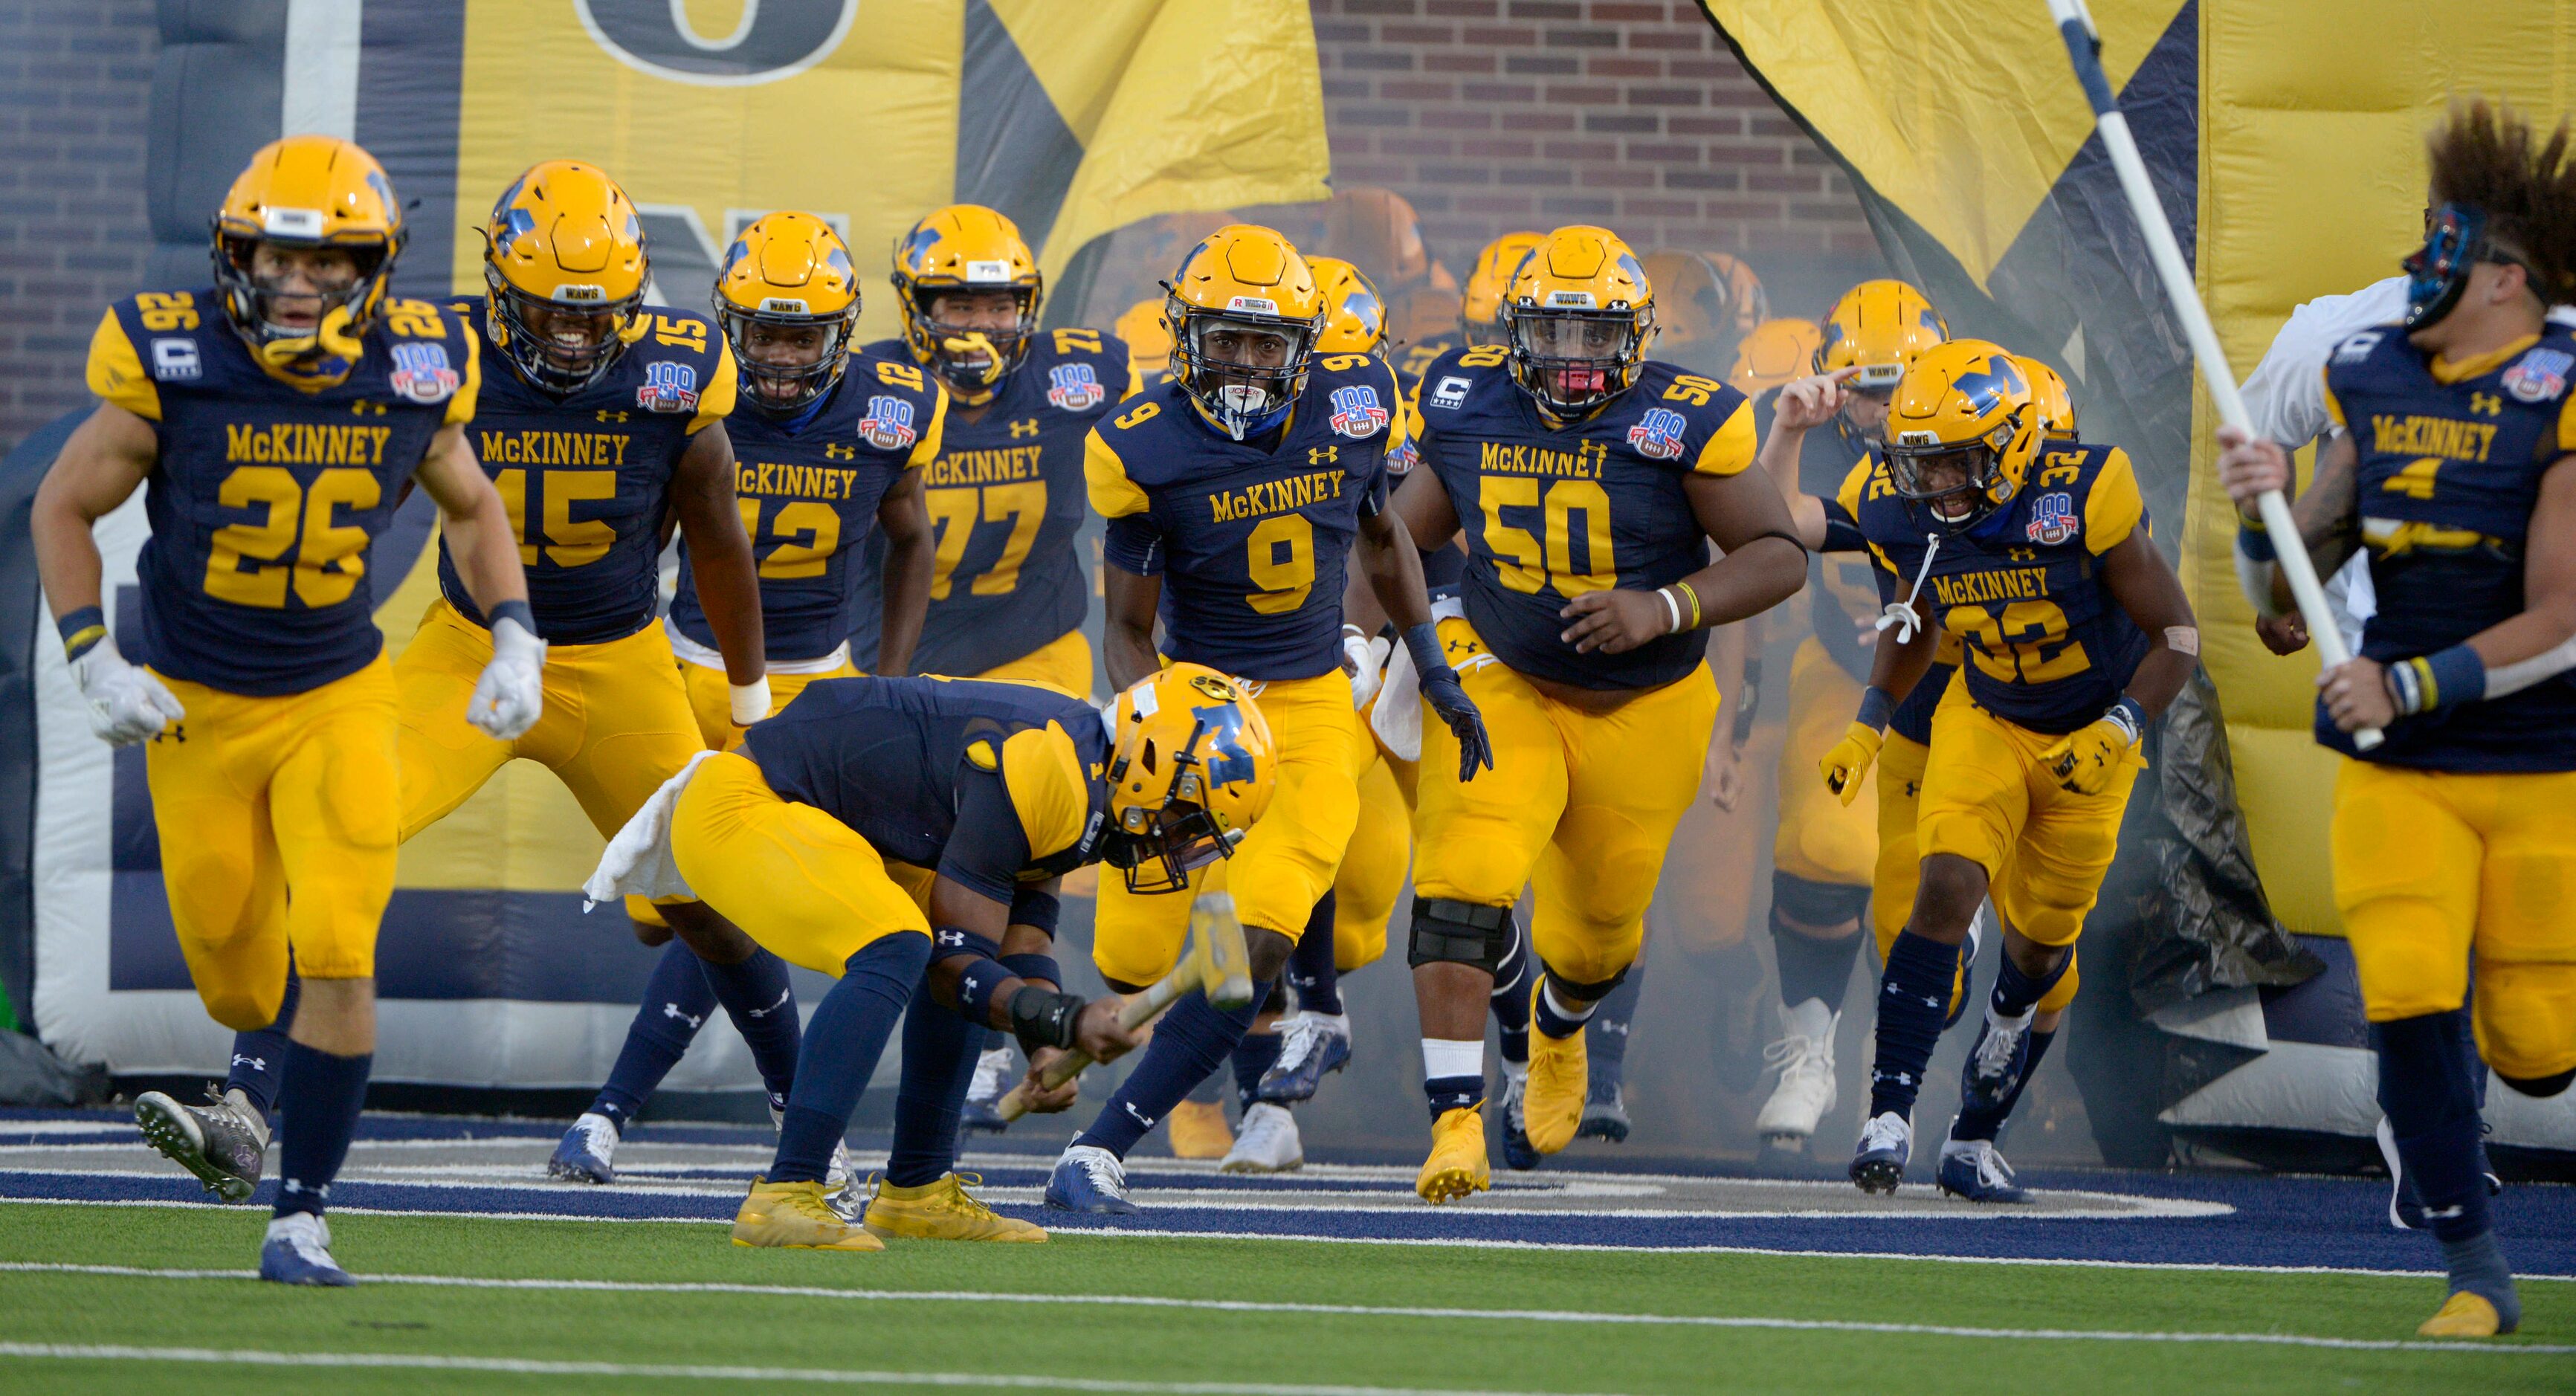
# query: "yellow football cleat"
[[1200, 1131], [798, 1216], [1457, 1165], [1559, 1075], [2463, 1315], [943, 1211]]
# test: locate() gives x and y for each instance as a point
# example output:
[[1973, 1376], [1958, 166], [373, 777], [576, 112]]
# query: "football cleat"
[[1199, 1130], [298, 1252], [1559, 1077], [2405, 1204], [944, 1211], [841, 1187], [1996, 1063], [1457, 1166], [1605, 1116], [224, 1142], [984, 1096], [1878, 1161], [1089, 1179], [1312, 1045], [797, 1216], [588, 1153], [1974, 1169], [1517, 1153], [1805, 1056], [1267, 1143], [2463, 1315]]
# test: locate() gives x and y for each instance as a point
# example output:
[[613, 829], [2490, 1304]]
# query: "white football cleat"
[[1805, 1056], [1266, 1143]]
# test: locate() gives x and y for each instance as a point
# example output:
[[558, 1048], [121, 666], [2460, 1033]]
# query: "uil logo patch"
[[2052, 519], [668, 387], [888, 425], [1401, 460], [421, 373], [1658, 435], [1355, 411], [2540, 376], [1074, 387]]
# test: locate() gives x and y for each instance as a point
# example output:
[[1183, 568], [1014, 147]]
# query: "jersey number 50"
[[1518, 557]]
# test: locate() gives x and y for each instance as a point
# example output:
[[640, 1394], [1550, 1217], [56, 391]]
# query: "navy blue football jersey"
[[1549, 513], [267, 492], [992, 784], [1844, 549], [2043, 643], [587, 475], [808, 484], [1006, 498], [1252, 540], [2449, 468]]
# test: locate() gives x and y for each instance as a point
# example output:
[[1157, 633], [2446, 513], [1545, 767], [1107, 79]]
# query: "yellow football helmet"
[[1776, 351], [2048, 394], [564, 244], [1879, 327], [307, 192], [1578, 312], [1706, 302], [1961, 432], [961, 250], [1191, 767], [787, 289], [1354, 318], [1148, 339], [1480, 309], [1245, 314]]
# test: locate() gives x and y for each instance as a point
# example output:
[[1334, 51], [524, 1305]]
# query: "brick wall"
[[75, 92], [1491, 115]]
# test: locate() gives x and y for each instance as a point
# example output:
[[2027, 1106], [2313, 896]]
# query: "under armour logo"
[[2487, 403], [254, 1063], [1020, 429], [785, 996], [672, 1010], [952, 937], [291, 1186], [1323, 455], [364, 408], [834, 450], [2023, 554], [1142, 1119], [609, 415]]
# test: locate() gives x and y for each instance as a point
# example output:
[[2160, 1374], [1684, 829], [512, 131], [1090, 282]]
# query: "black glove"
[[1448, 698]]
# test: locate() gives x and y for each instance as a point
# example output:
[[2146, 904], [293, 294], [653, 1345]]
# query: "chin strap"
[[1901, 614]]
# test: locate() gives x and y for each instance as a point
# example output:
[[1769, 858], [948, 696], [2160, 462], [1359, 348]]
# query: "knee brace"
[[1589, 992], [1817, 905], [1459, 933]]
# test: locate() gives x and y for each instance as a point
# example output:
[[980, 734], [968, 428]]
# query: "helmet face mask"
[[786, 360], [1956, 487], [2437, 274], [1574, 362], [1244, 369], [1190, 770], [977, 335], [289, 287], [562, 345], [787, 299]]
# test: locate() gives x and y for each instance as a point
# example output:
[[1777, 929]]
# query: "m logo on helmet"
[[1255, 304], [1227, 761], [1987, 391]]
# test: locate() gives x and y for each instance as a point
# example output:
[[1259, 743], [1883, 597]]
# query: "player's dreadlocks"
[[2487, 157]]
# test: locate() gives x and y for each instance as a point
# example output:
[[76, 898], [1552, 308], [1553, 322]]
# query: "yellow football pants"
[[278, 827], [1988, 798], [1372, 871], [1900, 862], [1063, 662], [2435, 868], [711, 699], [801, 883], [617, 722], [1285, 862], [1580, 806], [1820, 838]]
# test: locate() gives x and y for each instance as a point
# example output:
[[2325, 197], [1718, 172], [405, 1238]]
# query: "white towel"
[[1397, 718], [638, 861]]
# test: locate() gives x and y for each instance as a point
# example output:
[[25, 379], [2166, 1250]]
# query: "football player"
[[2074, 635], [1706, 303], [828, 448], [1825, 851], [1593, 481], [277, 418], [903, 836], [2454, 839], [1234, 494]]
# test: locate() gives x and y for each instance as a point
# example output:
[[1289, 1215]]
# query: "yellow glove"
[[2085, 759], [1849, 760]]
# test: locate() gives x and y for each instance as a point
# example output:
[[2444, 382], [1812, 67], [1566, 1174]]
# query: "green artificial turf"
[[964, 1336]]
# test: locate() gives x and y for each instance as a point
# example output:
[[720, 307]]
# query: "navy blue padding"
[[2324, 1011]]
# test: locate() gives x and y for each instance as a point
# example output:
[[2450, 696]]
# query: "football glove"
[[126, 704], [511, 693], [1844, 766], [2084, 760], [1448, 698]]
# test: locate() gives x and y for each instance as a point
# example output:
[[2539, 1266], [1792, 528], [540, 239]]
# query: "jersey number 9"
[[1280, 557]]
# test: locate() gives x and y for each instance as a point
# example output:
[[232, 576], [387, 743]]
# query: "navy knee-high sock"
[[2016, 993], [1913, 998], [259, 1056], [1255, 1054], [851, 1027], [1190, 1043], [1812, 967], [1606, 1033], [939, 1050], [677, 1000], [2427, 1072], [1513, 976], [1974, 1123], [318, 1106], [756, 996], [1311, 971]]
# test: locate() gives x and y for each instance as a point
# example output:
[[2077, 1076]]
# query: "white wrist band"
[[1672, 608], [750, 701]]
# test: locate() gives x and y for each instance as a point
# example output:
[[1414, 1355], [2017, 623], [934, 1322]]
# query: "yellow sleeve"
[[2113, 506], [1856, 486], [460, 407], [1731, 449], [715, 403], [1135, 383], [1113, 495], [927, 449], [2334, 405], [1043, 774], [2567, 425], [1399, 423], [116, 371]]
